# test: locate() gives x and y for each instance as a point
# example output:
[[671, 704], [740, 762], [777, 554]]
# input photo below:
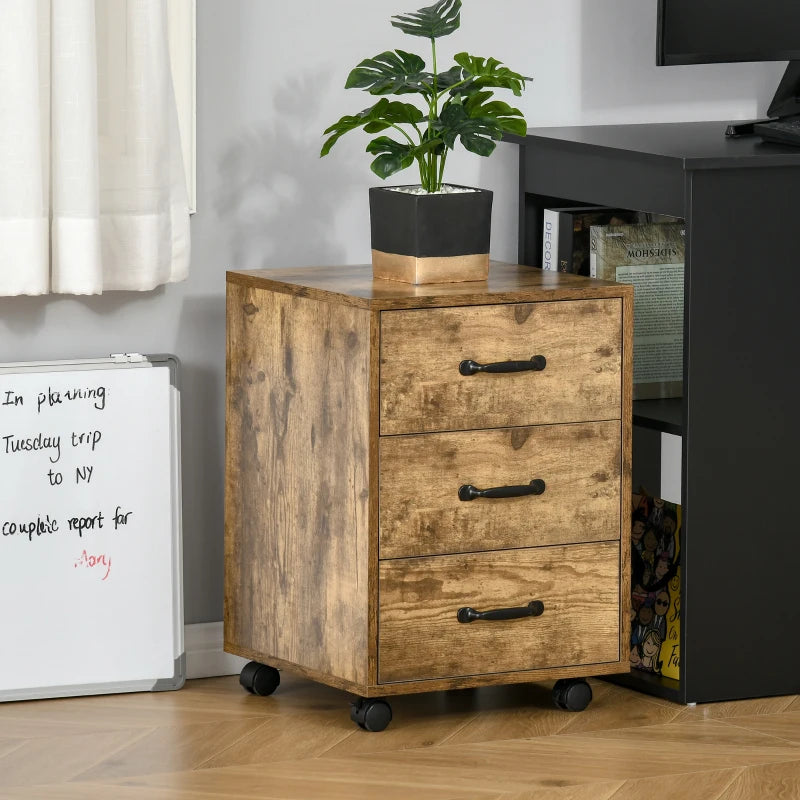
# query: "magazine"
[[655, 586]]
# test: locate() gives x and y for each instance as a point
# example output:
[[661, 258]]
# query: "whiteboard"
[[90, 544]]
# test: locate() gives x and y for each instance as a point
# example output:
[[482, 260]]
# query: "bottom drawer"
[[421, 638]]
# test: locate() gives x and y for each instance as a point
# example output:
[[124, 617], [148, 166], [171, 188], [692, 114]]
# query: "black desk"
[[738, 416]]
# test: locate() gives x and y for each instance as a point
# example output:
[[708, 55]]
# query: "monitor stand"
[[785, 103]]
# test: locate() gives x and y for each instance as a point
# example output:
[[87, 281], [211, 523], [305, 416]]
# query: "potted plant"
[[433, 232]]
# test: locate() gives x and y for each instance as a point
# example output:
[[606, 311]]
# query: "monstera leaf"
[[395, 72], [394, 156], [445, 80], [477, 134], [489, 73], [374, 119], [507, 117], [434, 21]]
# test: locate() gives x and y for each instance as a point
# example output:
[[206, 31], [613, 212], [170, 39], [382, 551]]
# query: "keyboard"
[[783, 131]]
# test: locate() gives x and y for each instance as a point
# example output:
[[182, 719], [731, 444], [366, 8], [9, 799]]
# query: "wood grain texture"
[[374, 494], [420, 636], [421, 514], [784, 726], [422, 389], [499, 743], [626, 480], [775, 781], [305, 590], [487, 679], [354, 285], [297, 524]]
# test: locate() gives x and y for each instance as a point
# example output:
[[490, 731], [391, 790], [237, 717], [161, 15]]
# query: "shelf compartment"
[[650, 683], [665, 415]]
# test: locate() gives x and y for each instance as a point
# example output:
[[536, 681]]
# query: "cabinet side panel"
[[626, 480], [297, 481], [741, 436]]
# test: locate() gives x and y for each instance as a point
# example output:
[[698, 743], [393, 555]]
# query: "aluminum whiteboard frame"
[[178, 677]]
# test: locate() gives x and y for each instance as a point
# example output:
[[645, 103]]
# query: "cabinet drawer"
[[421, 388], [421, 638], [420, 475]]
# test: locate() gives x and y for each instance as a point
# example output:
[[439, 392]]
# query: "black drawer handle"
[[469, 492], [534, 609], [470, 367]]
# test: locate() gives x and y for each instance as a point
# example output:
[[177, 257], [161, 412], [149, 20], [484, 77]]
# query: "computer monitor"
[[714, 31]]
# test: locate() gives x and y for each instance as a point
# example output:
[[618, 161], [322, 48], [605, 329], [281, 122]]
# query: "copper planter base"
[[431, 269]]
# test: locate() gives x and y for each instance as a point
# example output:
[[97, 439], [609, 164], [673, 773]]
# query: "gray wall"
[[269, 78]]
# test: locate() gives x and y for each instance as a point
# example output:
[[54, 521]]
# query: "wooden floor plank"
[[105, 791], [171, 749], [602, 756], [773, 781], [43, 718], [212, 740], [783, 726], [521, 712], [736, 708], [290, 737], [56, 759], [352, 777], [708, 785], [586, 791], [620, 708], [718, 733]]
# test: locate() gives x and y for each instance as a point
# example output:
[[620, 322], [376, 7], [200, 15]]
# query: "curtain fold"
[[92, 187]]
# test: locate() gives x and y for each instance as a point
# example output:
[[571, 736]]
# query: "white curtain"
[[92, 189]]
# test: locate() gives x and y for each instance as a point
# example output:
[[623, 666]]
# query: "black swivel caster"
[[259, 678], [371, 715], [572, 694]]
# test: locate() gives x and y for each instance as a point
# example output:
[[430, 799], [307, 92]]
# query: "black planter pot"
[[430, 238]]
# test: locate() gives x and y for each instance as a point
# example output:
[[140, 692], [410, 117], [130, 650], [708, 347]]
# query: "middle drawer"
[[420, 477]]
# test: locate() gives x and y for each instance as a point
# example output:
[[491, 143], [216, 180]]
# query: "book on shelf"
[[565, 240], [650, 256], [655, 585]]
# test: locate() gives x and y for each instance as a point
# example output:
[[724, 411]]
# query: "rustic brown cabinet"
[[402, 459]]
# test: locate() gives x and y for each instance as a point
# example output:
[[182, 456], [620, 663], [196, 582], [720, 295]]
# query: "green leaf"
[[392, 156], [507, 117], [440, 19], [395, 72], [488, 73], [444, 80], [374, 119], [477, 134], [395, 156], [394, 113]]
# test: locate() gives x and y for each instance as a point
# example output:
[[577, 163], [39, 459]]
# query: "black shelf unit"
[[738, 419]]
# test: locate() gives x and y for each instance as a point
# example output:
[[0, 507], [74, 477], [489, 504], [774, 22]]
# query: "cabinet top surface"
[[698, 145], [355, 286]]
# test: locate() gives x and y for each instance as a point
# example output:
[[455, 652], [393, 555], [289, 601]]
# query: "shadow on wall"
[[277, 198], [500, 173], [22, 317], [201, 331]]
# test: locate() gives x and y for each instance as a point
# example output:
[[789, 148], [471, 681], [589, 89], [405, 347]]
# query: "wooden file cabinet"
[[353, 436]]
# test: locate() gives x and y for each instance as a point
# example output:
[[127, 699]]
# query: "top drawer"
[[421, 388]]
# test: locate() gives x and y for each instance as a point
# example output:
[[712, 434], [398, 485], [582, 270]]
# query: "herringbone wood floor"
[[212, 740]]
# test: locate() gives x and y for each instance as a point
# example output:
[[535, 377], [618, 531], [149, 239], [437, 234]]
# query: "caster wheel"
[[572, 694], [259, 678], [371, 715]]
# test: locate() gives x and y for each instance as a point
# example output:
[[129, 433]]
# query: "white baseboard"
[[205, 657]]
